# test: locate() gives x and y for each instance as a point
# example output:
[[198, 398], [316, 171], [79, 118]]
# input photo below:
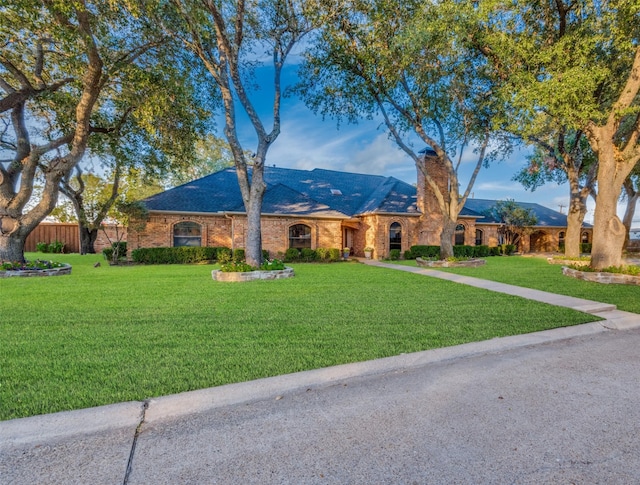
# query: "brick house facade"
[[327, 209]]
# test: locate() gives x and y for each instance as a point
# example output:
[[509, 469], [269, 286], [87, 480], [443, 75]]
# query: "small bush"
[[308, 255], [291, 254], [236, 267], [394, 254], [322, 254], [223, 255], [507, 249], [42, 247], [180, 255], [481, 251], [335, 255], [463, 251], [276, 264], [265, 254], [56, 247], [425, 252], [238, 255], [585, 248]]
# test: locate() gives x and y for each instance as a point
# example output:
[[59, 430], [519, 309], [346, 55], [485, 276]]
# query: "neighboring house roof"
[[546, 217], [320, 193]]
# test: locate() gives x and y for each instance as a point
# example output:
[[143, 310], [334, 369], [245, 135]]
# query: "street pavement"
[[552, 407]]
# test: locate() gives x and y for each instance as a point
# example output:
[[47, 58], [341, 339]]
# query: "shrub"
[[179, 255], [42, 247], [322, 254], [291, 254], [308, 255], [335, 255], [585, 248], [394, 254], [238, 255], [508, 249], [276, 264], [223, 255], [236, 267], [426, 252], [494, 251], [56, 247], [481, 251], [462, 251], [265, 254]]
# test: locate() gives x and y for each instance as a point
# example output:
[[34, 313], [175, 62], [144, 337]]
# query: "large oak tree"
[[231, 39], [402, 61], [576, 62], [73, 74]]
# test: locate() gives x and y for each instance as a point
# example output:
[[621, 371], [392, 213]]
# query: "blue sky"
[[308, 141]]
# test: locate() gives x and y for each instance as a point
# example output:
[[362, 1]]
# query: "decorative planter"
[[368, 254], [600, 277], [26, 273], [470, 263], [278, 274]]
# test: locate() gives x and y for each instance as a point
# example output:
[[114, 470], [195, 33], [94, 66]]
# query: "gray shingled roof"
[[546, 217], [318, 192], [289, 191]]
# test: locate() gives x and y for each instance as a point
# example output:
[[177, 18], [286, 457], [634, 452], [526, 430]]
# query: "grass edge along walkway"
[[579, 304]]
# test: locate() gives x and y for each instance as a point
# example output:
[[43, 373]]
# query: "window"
[[187, 234], [395, 236], [479, 237], [300, 236], [585, 238], [459, 237]]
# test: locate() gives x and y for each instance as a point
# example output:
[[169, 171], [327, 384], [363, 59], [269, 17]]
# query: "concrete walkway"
[[558, 406]]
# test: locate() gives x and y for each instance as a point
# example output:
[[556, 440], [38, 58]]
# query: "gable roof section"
[[546, 217], [320, 193], [306, 192]]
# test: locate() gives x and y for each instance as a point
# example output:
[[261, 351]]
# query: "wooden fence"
[[67, 233]]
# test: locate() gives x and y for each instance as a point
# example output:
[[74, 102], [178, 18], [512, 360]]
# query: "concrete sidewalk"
[[558, 406]]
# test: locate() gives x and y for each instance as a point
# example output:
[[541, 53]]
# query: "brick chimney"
[[431, 222]]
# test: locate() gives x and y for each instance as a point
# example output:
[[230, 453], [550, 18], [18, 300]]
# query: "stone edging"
[[278, 274], [604, 278], [565, 262], [26, 273], [471, 263]]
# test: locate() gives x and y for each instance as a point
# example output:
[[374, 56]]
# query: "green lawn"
[[111, 334], [535, 272]]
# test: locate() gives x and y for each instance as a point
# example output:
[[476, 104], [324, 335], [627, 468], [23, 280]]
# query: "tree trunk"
[[629, 212], [253, 250], [446, 238], [608, 230], [575, 218], [12, 246], [87, 239]]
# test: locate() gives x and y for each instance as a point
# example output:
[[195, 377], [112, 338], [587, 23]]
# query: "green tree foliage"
[[401, 61], [571, 65], [514, 221], [80, 77], [229, 39]]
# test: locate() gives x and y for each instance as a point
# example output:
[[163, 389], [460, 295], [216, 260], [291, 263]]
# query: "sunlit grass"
[[110, 334]]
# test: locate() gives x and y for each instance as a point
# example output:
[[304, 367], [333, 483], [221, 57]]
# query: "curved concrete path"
[[558, 406]]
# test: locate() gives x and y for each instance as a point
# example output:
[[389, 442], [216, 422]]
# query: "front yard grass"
[[534, 272], [112, 334]]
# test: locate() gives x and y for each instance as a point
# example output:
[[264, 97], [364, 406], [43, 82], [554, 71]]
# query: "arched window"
[[187, 234], [585, 237], [395, 236], [299, 236], [479, 237], [459, 237]]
